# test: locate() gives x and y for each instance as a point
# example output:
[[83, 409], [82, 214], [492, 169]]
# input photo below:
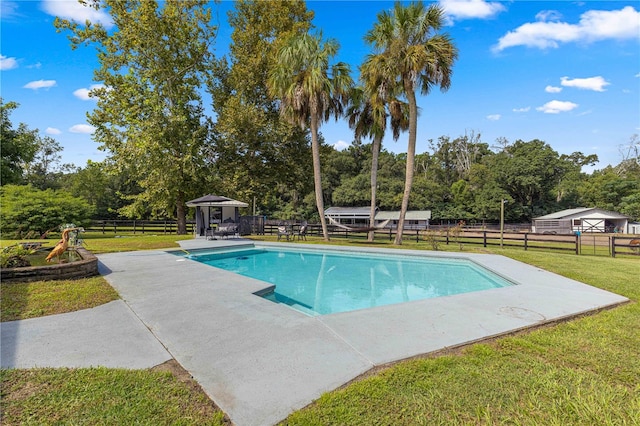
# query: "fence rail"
[[612, 245], [625, 245], [526, 240], [137, 226]]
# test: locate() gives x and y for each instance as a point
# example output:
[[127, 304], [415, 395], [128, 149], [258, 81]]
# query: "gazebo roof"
[[212, 200]]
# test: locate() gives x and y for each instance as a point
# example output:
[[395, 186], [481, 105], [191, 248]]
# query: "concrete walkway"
[[109, 335], [260, 361]]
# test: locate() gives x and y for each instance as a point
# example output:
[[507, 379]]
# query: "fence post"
[[417, 236], [484, 238], [613, 246], [390, 234], [447, 236], [115, 227], [577, 244], [526, 240], [134, 226]]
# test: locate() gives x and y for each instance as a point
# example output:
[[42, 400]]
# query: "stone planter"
[[87, 267]]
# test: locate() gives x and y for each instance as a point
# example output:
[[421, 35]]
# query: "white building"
[[359, 216], [581, 220]]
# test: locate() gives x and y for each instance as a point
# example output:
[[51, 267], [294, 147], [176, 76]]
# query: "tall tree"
[[529, 172], [256, 151], [149, 114], [17, 146], [310, 91], [45, 171], [367, 113], [412, 55]]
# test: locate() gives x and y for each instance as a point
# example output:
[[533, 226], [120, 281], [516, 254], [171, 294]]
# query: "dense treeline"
[[457, 179], [463, 179], [257, 147]]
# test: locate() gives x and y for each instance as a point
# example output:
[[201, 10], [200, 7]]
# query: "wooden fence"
[[625, 245], [137, 226], [435, 237], [601, 244]]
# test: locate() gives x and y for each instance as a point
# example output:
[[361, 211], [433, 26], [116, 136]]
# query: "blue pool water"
[[324, 282]]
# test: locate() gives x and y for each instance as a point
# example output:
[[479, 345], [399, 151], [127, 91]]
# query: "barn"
[[415, 219], [581, 220]]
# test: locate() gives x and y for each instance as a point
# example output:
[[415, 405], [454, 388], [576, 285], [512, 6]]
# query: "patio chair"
[[302, 233], [283, 231], [209, 233]]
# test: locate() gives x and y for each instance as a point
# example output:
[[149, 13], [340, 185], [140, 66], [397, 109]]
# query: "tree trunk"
[[411, 156], [375, 153], [181, 213], [317, 176]]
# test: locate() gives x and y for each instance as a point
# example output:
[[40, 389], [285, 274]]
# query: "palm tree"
[[310, 91], [367, 115], [410, 54]]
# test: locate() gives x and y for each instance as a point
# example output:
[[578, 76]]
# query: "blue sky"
[[564, 72]]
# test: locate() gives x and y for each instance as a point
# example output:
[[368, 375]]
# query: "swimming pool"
[[323, 282]]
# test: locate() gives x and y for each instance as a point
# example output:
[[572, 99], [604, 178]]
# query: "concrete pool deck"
[[259, 361]]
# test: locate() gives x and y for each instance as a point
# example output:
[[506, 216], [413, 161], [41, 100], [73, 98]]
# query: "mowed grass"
[[40, 298], [101, 396], [581, 372]]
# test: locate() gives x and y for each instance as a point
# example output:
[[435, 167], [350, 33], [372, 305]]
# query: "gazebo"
[[212, 210]]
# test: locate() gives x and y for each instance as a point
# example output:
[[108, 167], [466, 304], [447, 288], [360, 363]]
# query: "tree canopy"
[[256, 153], [149, 115], [17, 146]]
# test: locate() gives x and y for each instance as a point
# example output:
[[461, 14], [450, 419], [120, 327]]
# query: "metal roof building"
[[415, 219], [584, 219]]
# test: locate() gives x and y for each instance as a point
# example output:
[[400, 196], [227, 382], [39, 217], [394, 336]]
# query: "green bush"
[[15, 257], [28, 212]]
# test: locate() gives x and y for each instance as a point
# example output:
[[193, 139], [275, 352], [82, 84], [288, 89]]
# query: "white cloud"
[[74, 10], [525, 109], [555, 107], [638, 75], [594, 25], [84, 92], [470, 9], [553, 89], [494, 117], [340, 145], [7, 63], [52, 131], [37, 66], [82, 128], [9, 9], [40, 84], [592, 83], [548, 15]]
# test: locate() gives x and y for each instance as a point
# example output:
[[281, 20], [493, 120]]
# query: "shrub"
[[28, 212], [15, 257]]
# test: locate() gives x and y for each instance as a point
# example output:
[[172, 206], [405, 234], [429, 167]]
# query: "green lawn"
[[583, 371]]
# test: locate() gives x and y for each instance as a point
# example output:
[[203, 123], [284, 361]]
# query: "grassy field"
[[583, 371]]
